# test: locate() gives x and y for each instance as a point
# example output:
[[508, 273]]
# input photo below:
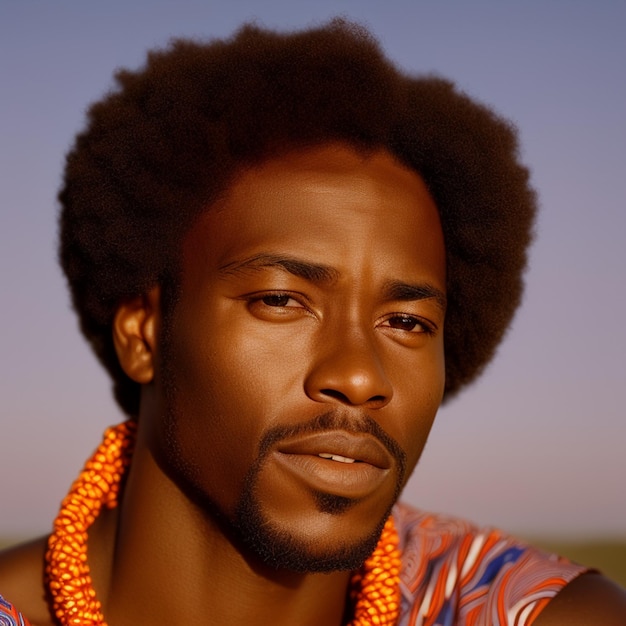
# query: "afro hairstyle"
[[167, 141]]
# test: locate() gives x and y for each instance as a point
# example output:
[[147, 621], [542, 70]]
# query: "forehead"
[[326, 201]]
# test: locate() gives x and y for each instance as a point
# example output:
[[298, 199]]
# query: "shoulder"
[[451, 567], [21, 580], [589, 600]]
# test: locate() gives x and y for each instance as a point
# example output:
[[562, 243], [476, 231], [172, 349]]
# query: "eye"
[[407, 323], [279, 300], [277, 306]]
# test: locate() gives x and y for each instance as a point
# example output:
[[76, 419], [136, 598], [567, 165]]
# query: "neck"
[[158, 539]]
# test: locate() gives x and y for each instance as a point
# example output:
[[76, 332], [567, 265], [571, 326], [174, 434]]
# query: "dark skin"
[[324, 293]]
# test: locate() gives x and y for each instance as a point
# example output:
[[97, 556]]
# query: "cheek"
[[422, 386], [213, 415], [235, 381]]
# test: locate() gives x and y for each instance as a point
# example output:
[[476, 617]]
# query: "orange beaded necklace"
[[375, 588]]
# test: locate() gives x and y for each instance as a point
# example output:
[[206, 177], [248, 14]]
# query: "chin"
[[280, 547]]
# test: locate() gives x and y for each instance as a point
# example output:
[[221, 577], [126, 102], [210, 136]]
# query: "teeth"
[[336, 457]]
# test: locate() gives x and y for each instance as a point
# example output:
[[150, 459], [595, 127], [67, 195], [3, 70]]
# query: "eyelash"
[[277, 296], [261, 300], [426, 327]]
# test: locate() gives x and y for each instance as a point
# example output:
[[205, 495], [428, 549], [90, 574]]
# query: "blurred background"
[[537, 445]]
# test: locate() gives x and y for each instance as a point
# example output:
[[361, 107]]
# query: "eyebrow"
[[398, 290], [324, 274], [313, 272]]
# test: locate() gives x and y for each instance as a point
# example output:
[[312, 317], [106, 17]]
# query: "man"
[[286, 254]]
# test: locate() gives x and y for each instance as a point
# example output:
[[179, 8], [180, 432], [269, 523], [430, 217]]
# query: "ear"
[[134, 335]]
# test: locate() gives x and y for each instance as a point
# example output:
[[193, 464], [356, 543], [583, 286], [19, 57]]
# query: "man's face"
[[303, 364]]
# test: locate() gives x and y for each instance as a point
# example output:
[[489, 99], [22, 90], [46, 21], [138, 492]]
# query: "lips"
[[336, 462], [360, 447]]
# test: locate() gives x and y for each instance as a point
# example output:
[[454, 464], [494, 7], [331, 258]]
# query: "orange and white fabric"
[[456, 574]]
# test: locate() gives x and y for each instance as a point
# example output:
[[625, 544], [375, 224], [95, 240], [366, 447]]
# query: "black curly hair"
[[160, 148]]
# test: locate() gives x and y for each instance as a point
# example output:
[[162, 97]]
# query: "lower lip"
[[349, 480]]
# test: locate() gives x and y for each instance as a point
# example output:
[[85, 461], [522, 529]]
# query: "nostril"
[[374, 401], [377, 399], [337, 395]]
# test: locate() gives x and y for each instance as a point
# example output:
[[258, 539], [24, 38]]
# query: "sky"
[[537, 445]]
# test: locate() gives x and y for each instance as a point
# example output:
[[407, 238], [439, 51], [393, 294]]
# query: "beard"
[[280, 549], [257, 535]]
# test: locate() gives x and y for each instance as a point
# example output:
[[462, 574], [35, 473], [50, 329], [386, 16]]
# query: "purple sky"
[[538, 444]]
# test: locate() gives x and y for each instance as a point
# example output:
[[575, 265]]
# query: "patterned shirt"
[[9, 616], [456, 574]]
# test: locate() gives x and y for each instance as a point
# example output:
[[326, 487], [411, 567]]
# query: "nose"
[[349, 371]]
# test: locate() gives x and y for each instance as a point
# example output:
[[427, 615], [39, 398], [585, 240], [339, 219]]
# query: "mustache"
[[335, 420]]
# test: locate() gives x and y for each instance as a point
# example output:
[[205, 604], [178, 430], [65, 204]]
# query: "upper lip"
[[359, 446]]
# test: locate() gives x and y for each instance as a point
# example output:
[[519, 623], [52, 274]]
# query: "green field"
[[607, 556]]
